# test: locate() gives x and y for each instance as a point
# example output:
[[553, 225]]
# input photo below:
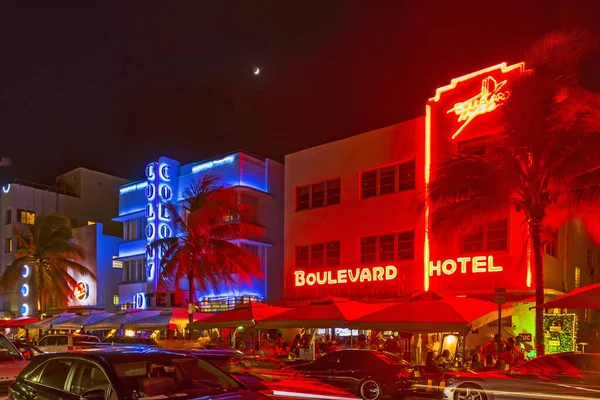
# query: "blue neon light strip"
[[133, 187], [211, 164]]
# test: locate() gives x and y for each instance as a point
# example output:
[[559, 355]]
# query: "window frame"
[[396, 251], [327, 200], [398, 184], [8, 245], [27, 214], [324, 259], [485, 239], [8, 216]]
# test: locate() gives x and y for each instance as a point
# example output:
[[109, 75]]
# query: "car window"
[[55, 373], [48, 341], [87, 377], [331, 360], [8, 351], [62, 340]]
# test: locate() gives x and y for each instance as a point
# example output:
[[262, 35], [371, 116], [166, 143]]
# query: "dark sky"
[[111, 85]]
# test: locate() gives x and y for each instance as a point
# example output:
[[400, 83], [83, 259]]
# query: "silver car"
[[556, 376]]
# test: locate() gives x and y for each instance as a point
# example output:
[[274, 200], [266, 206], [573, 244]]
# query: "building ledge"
[[133, 215]]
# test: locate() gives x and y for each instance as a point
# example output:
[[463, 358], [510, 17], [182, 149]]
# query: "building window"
[[26, 217], [115, 299], [133, 270], [387, 180], [250, 248], [577, 277], [552, 242], [492, 237], [251, 202], [8, 245], [91, 223], [132, 229], [318, 255], [117, 264], [318, 195], [8, 217], [389, 247]]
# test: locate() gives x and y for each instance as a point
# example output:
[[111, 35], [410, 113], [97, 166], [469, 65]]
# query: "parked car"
[[130, 341], [126, 374], [557, 376], [371, 374], [66, 342], [27, 349], [12, 363], [222, 358]]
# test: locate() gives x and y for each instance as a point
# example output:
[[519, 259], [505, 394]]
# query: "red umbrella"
[[432, 312], [583, 297], [18, 322], [326, 313], [243, 315]]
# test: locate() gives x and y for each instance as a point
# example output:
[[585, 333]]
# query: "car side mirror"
[[97, 394]]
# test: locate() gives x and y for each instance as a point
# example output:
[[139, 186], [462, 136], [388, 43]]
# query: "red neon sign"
[[342, 276], [475, 265], [81, 291], [486, 101]]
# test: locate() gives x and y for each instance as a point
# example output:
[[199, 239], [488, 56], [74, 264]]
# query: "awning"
[[19, 322], [176, 319], [243, 315], [47, 323], [432, 312], [583, 297], [330, 312], [81, 320], [118, 320]]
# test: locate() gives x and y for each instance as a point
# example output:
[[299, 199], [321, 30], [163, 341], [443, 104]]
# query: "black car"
[[369, 373], [128, 341], [125, 373]]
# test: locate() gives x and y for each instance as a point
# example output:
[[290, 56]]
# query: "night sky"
[[111, 85]]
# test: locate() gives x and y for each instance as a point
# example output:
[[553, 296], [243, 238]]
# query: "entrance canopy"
[[330, 312], [243, 315], [432, 312], [583, 297], [176, 319]]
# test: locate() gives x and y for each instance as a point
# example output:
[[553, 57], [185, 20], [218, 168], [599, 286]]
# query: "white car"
[[66, 342], [12, 363]]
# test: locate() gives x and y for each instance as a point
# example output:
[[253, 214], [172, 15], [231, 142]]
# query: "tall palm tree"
[[49, 250], [202, 253], [544, 162]]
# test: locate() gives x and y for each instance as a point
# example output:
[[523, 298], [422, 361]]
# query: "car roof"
[[119, 355]]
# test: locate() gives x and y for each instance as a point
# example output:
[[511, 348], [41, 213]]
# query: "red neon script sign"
[[490, 97], [342, 276]]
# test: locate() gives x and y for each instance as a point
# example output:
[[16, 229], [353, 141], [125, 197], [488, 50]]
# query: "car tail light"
[[404, 373]]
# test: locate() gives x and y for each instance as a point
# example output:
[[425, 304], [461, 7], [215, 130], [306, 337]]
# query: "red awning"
[[432, 312], [243, 315], [326, 313], [583, 297], [18, 322]]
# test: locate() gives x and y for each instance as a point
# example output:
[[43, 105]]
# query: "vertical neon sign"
[[162, 187]]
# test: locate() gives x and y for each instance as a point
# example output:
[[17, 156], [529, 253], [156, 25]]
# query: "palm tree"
[[203, 254], [544, 162], [48, 249]]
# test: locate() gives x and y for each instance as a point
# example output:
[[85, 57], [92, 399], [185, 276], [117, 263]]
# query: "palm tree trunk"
[[191, 296], [538, 262]]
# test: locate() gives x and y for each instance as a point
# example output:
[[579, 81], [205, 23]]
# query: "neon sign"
[[342, 276], [490, 97], [210, 164], [478, 264], [82, 291], [139, 300], [133, 187]]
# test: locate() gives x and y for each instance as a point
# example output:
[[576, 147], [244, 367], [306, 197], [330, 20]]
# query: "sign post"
[[500, 298]]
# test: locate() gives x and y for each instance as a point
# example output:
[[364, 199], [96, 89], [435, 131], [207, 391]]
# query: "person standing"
[[478, 358]]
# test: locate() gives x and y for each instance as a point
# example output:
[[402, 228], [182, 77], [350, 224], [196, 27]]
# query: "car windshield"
[[179, 377], [8, 352]]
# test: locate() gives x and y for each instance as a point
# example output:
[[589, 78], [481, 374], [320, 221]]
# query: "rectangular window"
[[8, 217], [8, 245], [492, 237], [320, 194], [318, 255], [91, 223], [117, 264], [251, 203], [132, 229], [552, 242], [250, 248], [387, 180], [577, 277], [389, 247], [26, 217], [115, 299]]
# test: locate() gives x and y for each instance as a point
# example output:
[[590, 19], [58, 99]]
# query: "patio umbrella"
[[432, 312], [19, 322], [167, 320], [81, 320], [583, 297], [46, 323], [330, 312], [119, 319], [243, 315]]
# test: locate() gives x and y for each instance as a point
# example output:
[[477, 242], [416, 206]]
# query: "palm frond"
[[63, 264]]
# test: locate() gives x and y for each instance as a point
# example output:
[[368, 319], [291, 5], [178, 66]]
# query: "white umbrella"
[[81, 321], [119, 319], [46, 323]]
